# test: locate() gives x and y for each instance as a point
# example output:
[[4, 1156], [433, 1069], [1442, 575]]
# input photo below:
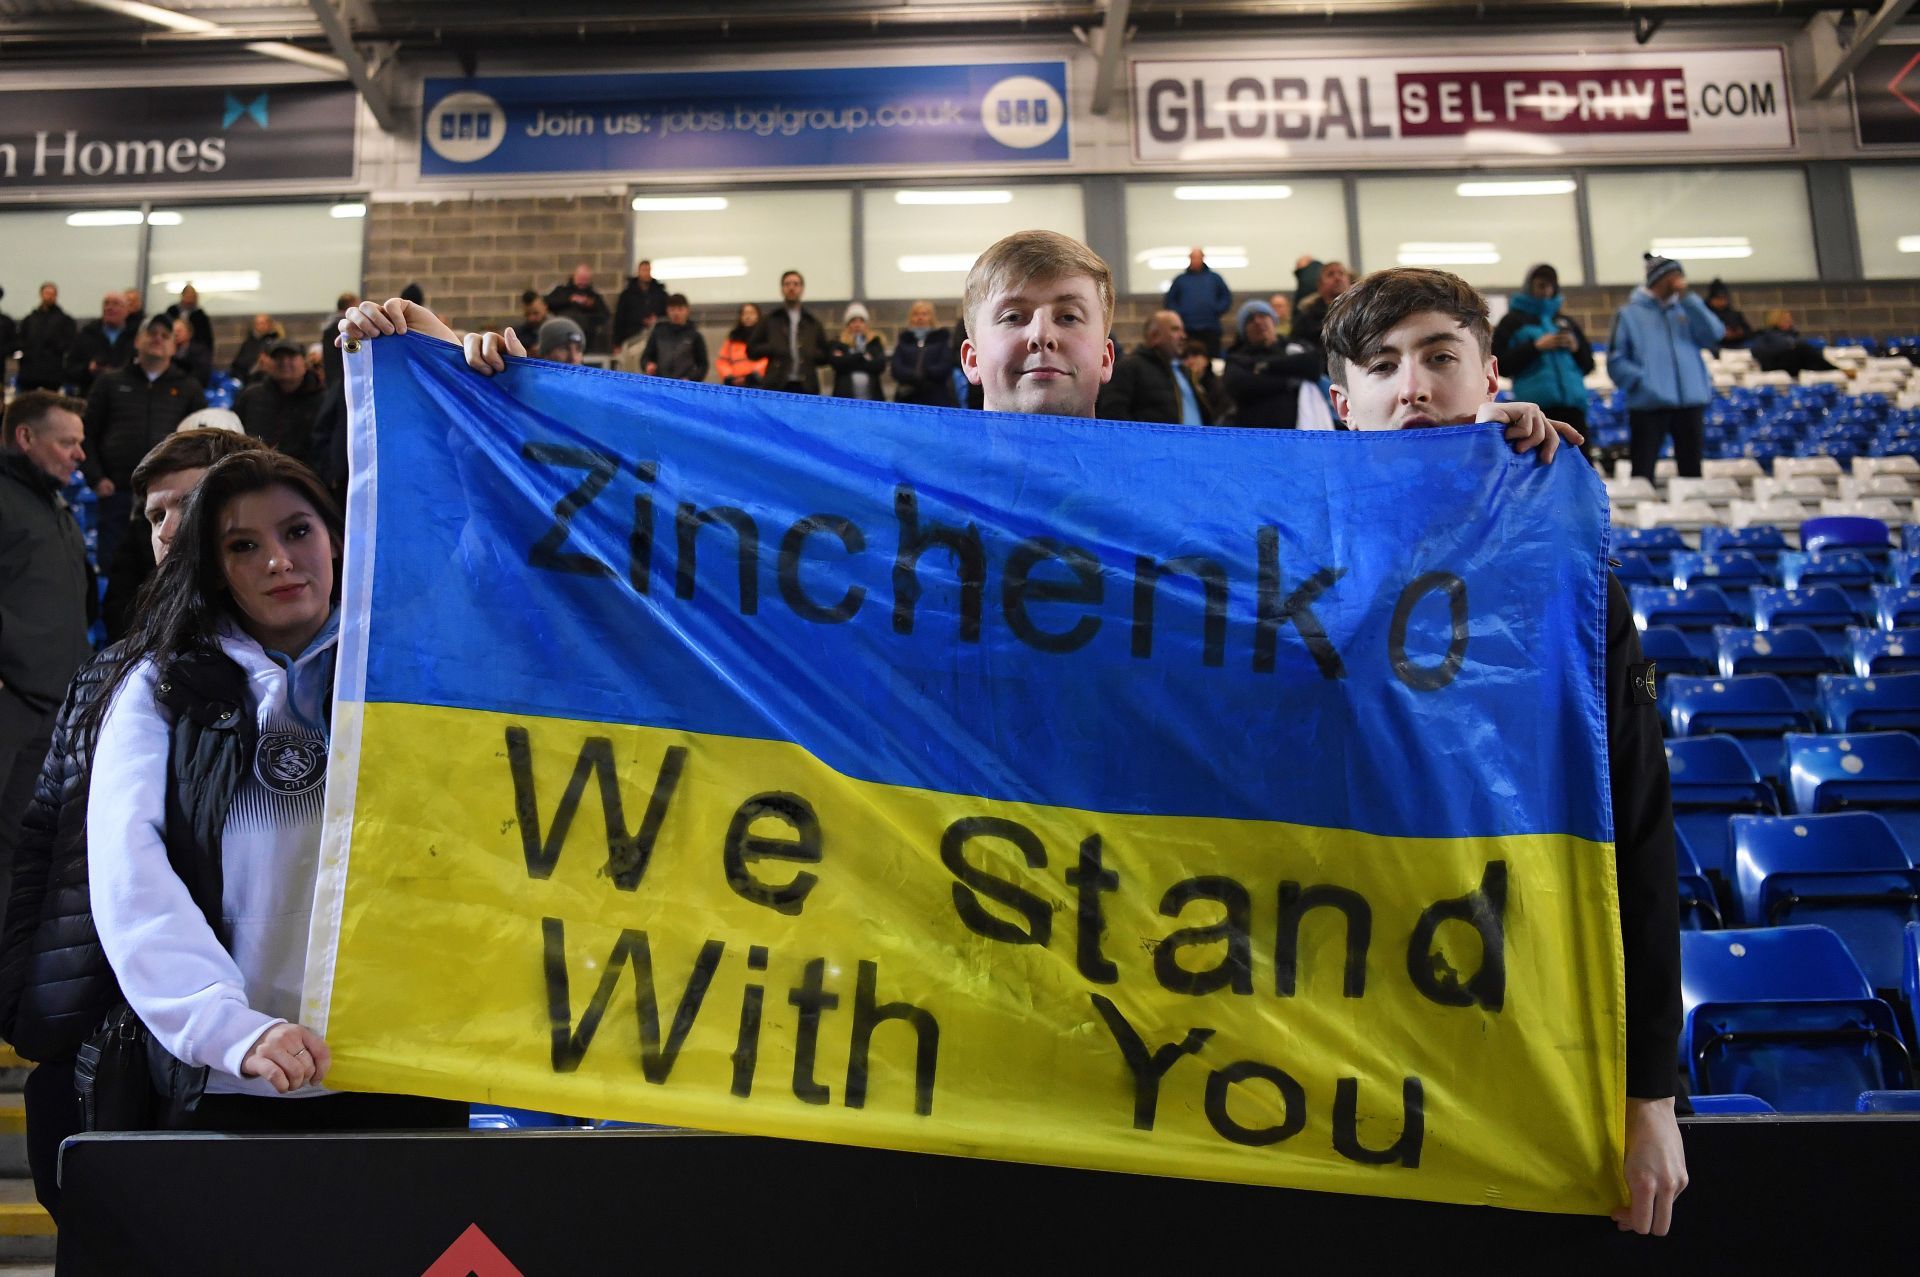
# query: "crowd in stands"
[[124, 401]]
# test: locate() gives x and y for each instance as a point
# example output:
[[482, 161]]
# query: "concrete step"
[[26, 1230]]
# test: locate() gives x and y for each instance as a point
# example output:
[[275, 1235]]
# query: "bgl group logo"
[[1022, 112], [466, 126]]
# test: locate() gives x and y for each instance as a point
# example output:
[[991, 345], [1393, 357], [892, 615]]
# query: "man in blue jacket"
[[1199, 296], [1655, 356]]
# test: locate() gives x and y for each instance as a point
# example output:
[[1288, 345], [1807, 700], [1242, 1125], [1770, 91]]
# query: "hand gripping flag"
[[1216, 803]]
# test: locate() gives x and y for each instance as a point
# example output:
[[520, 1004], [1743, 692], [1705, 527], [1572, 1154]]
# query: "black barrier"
[[1766, 1191]]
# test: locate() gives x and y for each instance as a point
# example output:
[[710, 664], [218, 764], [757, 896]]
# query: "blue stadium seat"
[[1658, 544], [1671, 653], [1896, 606], [1699, 907], [1756, 709], [1887, 703], [1633, 568], [1852, 571], [1731, 1105], [1726, 570], [1904, 569], [1843, 870], [1762, 540], [1846, 532], [1700, 608], [1910, 538], [497, 1117], [1712, 779], [1887, 1102], [1872, 771], [1884, 651], [1795, 656], [1824, 607], [1785, 1014]]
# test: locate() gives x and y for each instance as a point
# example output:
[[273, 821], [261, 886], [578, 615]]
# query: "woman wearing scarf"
[[1544, 351], [858, 359]]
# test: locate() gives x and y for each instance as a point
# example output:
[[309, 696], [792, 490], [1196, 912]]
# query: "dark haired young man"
[[1409, 348], [675, 347], [791, 340]]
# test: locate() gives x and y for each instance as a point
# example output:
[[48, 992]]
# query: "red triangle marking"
[[1893, 85], [473, 1254]]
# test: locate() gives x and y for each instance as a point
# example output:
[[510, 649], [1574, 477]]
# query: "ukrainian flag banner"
[[1215, 803]]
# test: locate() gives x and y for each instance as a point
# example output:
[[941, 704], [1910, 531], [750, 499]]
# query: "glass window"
[[1253, 231], [1489, 229], [1738, 224], [733, 246], [87, 253], [922, 241], [247, 258], [1889, 220]]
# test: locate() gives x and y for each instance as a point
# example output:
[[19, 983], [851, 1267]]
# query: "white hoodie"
[[205, 1005]]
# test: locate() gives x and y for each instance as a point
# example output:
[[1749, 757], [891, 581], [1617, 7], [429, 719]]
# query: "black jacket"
[[591, 315], [923, 368], [44, 586], [1643, 860], [92, 346], [1264, 382], [637, 303], [846, 361], [127, 415], [9, 342], [246, 360], [1143, 388], [55, 981], [1309, 318], [788, 368], [280, 419], [677, 351], [201, 326], [45, 334]]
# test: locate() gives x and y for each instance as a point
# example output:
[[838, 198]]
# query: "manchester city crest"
[[289, 764]]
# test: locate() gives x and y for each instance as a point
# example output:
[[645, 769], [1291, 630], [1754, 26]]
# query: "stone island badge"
[[1645, 689]]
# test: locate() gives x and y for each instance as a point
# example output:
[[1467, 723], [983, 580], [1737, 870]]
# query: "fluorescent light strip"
[[936, 263], [1908, 243], [953, 197], [1534, 186], [164, 218], [1440, 253], [679, 203], [347, 210], [1704, 247], [105, 217], [676, 268], [1270, 191], [209, 282], [1226, 260]]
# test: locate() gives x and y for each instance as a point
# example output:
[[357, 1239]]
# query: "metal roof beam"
[[1113, 36], [1864, 42], [374, 88]]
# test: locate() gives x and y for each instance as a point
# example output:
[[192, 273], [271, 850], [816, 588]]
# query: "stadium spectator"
[[923, 360], [9, 340], [189, 356], [329, 350], [1544, 350], [858, 358], [250, 361], [1720, 302], [577, 299], [210, 957], [1214, 400], [279, 409], [1410, 348], [1306, 278], [1150, 382], [129, 411], [136, 307], [561, 341], [1264, 374], [200, 327], [100, 345], [643, 303], [735, 366], [1282, 304], [791, 340], [675, 347], [45, 591], [45, 334], [1311, 314], [1200, 296], [133, 561], [1655, 356], [1038, 307], [55, 984], [1779, 347], [415, 294], [533, 313]]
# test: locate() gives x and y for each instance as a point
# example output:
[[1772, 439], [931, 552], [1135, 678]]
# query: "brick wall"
[[475, 257]]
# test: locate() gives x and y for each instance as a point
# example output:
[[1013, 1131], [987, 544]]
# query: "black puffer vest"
[[55, 982]]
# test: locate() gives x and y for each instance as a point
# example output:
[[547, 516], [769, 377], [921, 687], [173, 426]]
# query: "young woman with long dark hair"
[[204, 824]]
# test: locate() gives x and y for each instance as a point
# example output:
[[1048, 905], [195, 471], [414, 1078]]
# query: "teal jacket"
[[1542, 376]]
